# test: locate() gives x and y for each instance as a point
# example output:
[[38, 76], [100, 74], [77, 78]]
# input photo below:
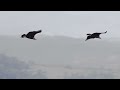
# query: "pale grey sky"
[[68, 23]]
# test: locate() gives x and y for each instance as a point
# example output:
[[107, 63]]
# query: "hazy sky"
[[69, 23]]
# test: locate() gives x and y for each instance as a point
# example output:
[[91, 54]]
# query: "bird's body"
[[31, 35], [94, 35]]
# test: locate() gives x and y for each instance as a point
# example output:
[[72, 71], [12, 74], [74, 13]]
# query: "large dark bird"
[[31, 35], [94, 35]]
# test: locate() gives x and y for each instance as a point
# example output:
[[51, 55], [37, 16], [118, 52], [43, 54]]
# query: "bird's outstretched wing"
[[88, 37], [89, 34], [33, 33], [96, 33]]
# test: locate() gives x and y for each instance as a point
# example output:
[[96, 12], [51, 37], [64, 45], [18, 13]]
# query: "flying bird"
[[94, 35], [31, 35]]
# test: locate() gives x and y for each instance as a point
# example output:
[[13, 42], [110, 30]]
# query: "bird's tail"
[[24, 35]]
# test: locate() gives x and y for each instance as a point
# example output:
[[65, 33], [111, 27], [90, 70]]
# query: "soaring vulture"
[[94, 35], [31, 35]]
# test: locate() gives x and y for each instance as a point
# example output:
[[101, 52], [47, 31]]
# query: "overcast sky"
[[68, 23]]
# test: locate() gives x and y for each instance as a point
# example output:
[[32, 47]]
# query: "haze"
[[67, 23], [60, 51]]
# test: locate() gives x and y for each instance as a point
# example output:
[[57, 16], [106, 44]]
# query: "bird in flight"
[[31, 35], [94, 35]]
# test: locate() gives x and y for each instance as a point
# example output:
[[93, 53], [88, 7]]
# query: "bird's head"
[[89, 34], [23, 36], [40, 31]]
